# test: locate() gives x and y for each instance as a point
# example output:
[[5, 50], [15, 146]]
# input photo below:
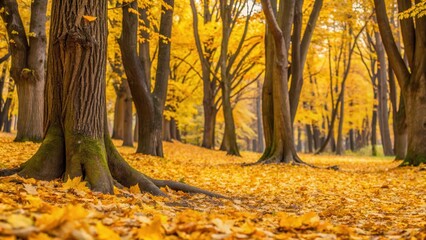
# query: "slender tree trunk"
[[260, 143], [339, 146], [209, 81], [149, 106], [382, 97], [352, 140], [374, 131], [309, 138], [119, 109], [128, 117]]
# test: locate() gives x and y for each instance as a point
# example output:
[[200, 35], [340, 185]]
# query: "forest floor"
[[368, 198]]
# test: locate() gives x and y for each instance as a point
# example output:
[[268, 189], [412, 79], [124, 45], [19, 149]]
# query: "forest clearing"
[[367, 198]]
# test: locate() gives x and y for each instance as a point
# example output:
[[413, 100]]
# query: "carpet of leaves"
[[368, 198]]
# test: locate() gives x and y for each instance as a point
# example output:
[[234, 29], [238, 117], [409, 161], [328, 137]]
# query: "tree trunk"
[[119, 108], [352, 140], [309, 138], [260, 143], [279, 139], [4, 114], [339, 146], [374, 130], [149, 106], [166, 130], [128, 117], [382, 97], [209, 81], [400, 145], [136, 129], [411, 78], [28, 66]]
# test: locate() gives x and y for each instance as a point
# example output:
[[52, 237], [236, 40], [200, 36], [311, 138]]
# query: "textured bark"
[[28, 66], [167, 136], [230, 136], [149, 105], [128, 117], [77, 143], [300, 46], [119, 108], [279, 140], [382, 97], [411, 78]]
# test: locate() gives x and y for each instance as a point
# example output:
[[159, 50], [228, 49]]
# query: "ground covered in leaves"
[[367, 198]]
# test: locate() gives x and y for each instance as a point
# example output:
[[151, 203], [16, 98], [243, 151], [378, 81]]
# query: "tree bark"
[[209, 81], [149, 106], [128, 116], [230, 136], [411, 78], [280, 146], [119, 108], [28, 66], [339, 146], [382, 97]]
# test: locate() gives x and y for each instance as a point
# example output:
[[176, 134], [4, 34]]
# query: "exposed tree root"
[[10, 171], [294, 160], [128, 176]]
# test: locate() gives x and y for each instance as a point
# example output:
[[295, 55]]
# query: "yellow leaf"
[[76, 184], [19, 221], [32, 190], [89, 18], [153, 231], [135, 189], [105, 233], [58, 216]]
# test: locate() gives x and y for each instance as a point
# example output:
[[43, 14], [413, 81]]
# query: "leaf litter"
[[369, 198]]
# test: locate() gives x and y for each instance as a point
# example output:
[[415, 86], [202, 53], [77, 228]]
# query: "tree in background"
[[411, 77], [28, 65], [149, 105]]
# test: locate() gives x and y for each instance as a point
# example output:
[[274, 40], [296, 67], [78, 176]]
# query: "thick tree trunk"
[[374, 130], [415, 107], [411, 78], [279, 139], [28, 66]]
